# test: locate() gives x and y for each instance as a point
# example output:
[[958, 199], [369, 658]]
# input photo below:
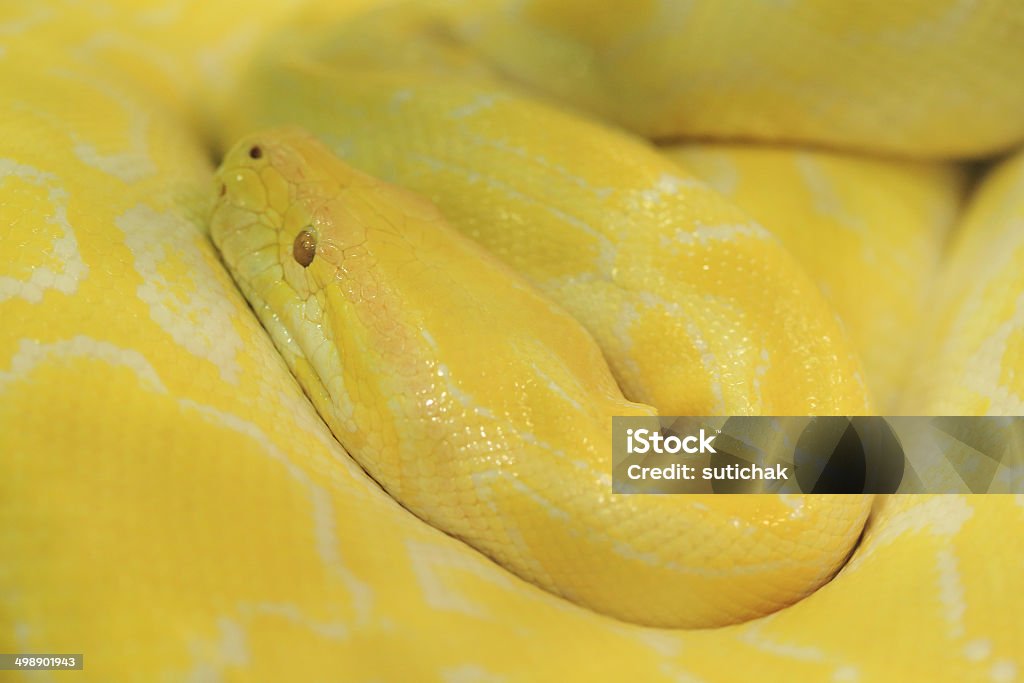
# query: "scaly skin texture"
[[974, 353], [484, 409], [172, 505], [833, 74], [849, 218], [697, 308]]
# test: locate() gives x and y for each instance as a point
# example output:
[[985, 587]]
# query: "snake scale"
[[561, 212]]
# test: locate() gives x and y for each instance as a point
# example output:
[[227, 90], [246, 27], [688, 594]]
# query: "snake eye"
[[255, 152], [304, 248]]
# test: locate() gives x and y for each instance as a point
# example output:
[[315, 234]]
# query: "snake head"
[[313, 245], [290, 221], [277, 213]]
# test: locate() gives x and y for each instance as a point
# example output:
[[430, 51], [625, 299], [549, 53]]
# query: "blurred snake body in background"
[[561, 212]]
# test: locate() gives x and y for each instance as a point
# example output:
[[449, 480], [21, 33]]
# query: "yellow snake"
[[174, 507]]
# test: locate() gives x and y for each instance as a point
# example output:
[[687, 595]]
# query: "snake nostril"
[[223, 189], [255, 152], [304, 248]]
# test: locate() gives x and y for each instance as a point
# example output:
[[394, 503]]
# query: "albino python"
[[514, 262]]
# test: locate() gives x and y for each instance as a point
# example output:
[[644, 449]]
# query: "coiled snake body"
[[167, 484]]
